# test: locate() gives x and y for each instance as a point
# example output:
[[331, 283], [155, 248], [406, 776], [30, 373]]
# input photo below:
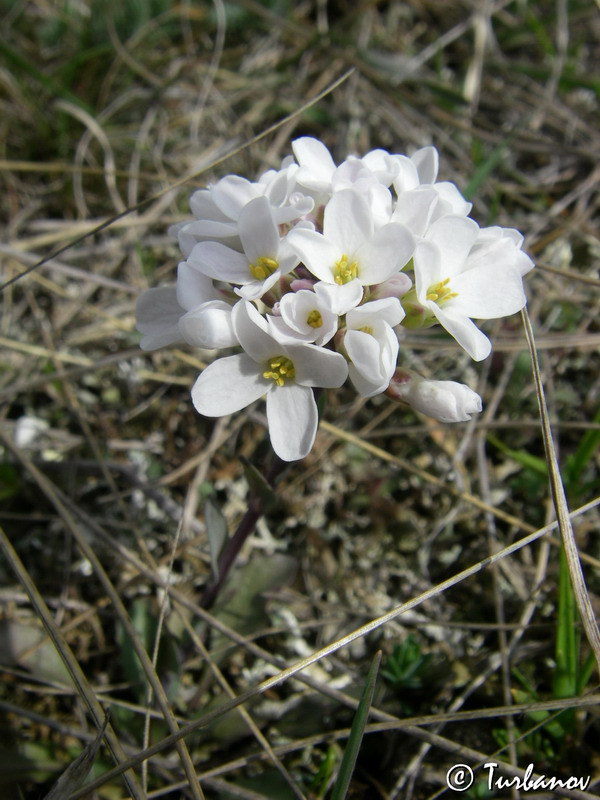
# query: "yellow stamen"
[[343, 272], [367, 329], [280, 369], [314, 319], [263, 268], [440, 292]]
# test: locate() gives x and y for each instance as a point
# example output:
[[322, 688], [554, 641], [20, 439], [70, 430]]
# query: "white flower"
[[193, 311], [316, 166], [284, 372], [446, 401], [350, 246], [313, 315], [319, 174], [353, 174], [500, 245], [218, 208], [265, 257], [419, 208], [454, 288], [372, 345], [411, 172]]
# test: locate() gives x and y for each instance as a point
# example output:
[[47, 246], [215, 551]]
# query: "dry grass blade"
[[561, 506], [84, 689]]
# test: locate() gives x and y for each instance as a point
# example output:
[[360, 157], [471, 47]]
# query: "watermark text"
[[460, 777]]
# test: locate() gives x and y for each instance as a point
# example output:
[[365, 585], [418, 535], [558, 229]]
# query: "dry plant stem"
[[85, 690], [560, 504], [233, 545]]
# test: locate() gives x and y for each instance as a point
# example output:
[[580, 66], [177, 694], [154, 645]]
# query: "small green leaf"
[[356, 734]]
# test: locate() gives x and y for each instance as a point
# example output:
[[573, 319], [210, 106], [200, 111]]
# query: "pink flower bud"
[[396, 286]]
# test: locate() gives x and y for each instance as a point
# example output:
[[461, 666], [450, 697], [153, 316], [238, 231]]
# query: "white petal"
[[454, 236], [387, 309], [317, 253], [316, 164], [415, 209], [193, 287], [157, 317], [228, 385], [451, 195], [209, 326], [203, 206], [160, 337], [232, 193], [155, 305], [256, 289], [293, 420], [364, 352], [385, 253], [428, 268], [221, 263], [298, 205], [364, 386], [253, 334], [466, 333], [426, 160], [190, 233], [339, 299], [407, 176], [347, 221], [287, 335], [503, 252], [258, 230], [488, 293], [318, 366]]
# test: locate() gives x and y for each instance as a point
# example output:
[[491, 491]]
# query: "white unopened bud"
[[446, 401]]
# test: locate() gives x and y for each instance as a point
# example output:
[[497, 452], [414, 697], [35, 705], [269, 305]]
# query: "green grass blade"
[[578, 462], [356, 734], [485, 169], [525, 459], [567, 641]]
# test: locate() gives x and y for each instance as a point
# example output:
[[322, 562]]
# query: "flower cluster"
[[313, 270]]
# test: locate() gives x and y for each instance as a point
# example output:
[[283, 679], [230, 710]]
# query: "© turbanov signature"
[[530, 782]]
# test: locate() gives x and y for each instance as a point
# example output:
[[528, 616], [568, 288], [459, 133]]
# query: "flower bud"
[[396, 286], [417, 315], [298, 284], [446, 401]]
